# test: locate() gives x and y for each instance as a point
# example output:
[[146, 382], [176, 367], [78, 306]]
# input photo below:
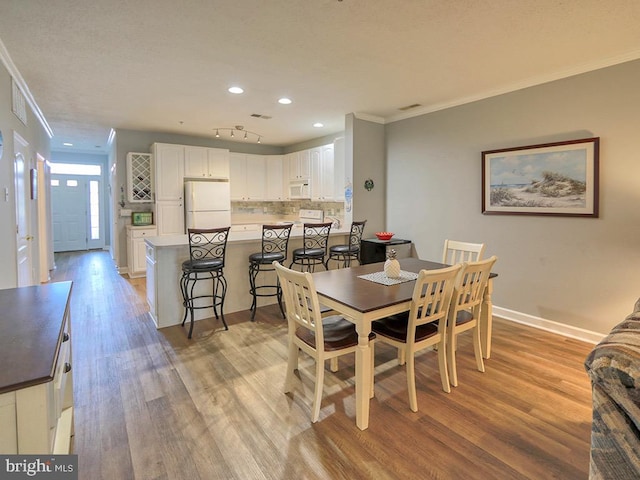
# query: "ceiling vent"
[[264, 117], [409, 107]]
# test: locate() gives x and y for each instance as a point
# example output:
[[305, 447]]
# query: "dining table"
[[363, 300]]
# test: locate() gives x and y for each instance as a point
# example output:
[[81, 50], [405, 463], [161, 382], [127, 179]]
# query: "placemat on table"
[[380, 277]]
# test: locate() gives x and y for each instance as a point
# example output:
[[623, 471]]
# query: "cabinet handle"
[[67, 367], [65, 337]]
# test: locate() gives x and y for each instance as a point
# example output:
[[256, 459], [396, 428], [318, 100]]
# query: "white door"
[[23, 234], [69, 212]]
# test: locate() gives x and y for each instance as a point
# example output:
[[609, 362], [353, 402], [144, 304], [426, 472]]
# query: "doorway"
[[77, 209]]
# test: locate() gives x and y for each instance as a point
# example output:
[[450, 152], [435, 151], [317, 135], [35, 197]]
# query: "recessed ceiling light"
[[284, 101], [236, 90], [318, 125], [67, 144]]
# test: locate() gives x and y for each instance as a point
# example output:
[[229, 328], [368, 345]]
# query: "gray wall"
[[575, 271], [36, 135]]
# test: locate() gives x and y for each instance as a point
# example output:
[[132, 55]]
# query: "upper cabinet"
[[299, 164], [139, 178], [322, 175], [169, 171], [275, 185], [247, 177], [202, 162]]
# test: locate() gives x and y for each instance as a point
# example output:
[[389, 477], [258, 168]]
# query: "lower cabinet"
[[136, 249], [36, 416]]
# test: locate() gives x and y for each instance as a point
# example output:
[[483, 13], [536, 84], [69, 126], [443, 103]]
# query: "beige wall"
[[580, 272]]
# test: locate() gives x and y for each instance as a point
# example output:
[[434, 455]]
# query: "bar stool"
[[206, 262], [314, 246], [275, 243], [346, 253]]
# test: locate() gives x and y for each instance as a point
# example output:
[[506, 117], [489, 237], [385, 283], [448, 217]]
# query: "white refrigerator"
[[207, 204]]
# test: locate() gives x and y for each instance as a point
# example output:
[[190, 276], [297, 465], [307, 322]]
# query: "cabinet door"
[[218, 163], [169, 171], [339, 172], [304, 164], [139, 255], [151, 280], [316, 174], [327, 177], [256, 177], [170, 218], [275, 186], [238, 176], [196, 162]]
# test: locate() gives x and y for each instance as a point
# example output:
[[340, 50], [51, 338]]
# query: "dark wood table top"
[[344, 286], [31, 322]]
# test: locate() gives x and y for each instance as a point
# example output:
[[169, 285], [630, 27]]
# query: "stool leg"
[[222, 282], [279, 296], [253, 272], [191, 307], [183, 290]]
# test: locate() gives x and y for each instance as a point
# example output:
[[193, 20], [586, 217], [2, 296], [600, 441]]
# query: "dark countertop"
[[31, 322]]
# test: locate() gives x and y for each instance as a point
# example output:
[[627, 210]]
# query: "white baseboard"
[[548, 325]]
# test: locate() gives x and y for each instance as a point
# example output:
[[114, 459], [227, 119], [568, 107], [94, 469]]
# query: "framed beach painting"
[[558, 179]]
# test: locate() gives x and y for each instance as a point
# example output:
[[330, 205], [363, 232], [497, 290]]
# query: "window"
[[72, 183], [94, 209], [75, 169]]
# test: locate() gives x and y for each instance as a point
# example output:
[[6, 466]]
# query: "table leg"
[[363, 375], [486, 320]]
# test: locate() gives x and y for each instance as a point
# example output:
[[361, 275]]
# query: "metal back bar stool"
[[346, 253], [206, 262], [314, 246], [275, 244]]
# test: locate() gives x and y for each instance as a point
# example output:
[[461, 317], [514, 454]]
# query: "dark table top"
[[31, 322], [344, 286]]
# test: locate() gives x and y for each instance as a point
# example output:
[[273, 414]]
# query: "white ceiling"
[[164, 65]]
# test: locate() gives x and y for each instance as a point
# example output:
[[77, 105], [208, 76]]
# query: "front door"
[[69, 213]]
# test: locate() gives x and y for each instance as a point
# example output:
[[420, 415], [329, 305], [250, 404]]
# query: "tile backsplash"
[[250, 212]]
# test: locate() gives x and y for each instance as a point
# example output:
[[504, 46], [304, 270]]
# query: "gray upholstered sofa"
[[614, 368]]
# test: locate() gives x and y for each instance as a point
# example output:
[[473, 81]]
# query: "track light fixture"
[[240, 130]]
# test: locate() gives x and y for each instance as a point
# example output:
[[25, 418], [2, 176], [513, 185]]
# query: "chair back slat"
[[459, 252], [316, 235], [431, 299], [301, 301], [470, 285], [355, 236]]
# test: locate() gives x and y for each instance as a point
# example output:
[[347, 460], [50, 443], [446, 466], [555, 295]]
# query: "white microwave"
[[299, 190]]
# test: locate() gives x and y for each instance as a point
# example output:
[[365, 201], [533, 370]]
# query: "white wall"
[[36, 135], [576, 271]]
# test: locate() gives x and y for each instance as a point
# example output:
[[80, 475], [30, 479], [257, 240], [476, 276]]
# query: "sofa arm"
[[614, 369]]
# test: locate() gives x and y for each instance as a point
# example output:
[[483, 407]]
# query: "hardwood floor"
[[151, 404]]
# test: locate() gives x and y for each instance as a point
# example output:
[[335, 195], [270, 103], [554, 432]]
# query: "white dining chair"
[[457, 252], [321, 337], [423, 326], [464, 313]]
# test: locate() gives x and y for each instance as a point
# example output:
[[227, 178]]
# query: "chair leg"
[[373, 368], [411, 381], [317, 396], [253, 272], [292, 366], [401, 356], [477, 348], [191, 307], [221, 282], [333, 364], [442, 366], [451, 358]]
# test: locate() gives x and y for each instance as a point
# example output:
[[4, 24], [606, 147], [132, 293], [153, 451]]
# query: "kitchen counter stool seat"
[[275, 244], [206, 262]]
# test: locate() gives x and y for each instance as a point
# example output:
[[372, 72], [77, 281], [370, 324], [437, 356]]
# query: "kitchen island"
[[164, 257]]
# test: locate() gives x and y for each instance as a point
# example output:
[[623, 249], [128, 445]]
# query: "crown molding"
[[369, 118], [530, 82], [22, 85]]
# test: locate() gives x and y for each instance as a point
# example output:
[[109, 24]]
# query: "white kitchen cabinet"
[[202, 162], [339, 171], [322, 177], [136, 249], [275, 186], [139, 178], [299, 165], [36, 403], [169, 171], [152, 283], [170, 217], [247, 177]]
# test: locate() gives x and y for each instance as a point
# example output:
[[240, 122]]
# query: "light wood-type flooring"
[[151, 404]]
